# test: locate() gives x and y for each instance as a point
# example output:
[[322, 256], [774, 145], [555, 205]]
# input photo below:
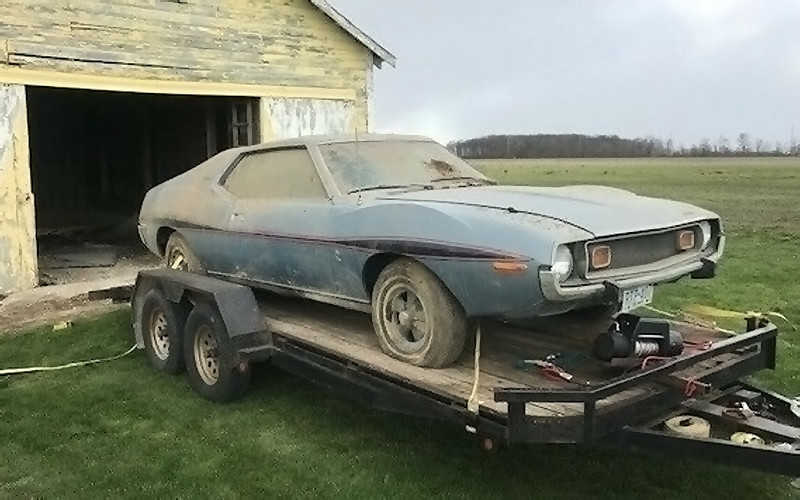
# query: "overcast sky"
[[684, 69]]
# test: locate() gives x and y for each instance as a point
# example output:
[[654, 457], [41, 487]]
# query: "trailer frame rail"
[[756, 350]]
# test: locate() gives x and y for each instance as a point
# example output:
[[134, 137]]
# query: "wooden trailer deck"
[[349, 335]]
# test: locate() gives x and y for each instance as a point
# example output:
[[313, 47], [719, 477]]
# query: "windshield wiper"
[[465, 178], [388, 186]]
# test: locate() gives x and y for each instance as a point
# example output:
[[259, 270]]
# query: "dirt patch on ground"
[[50, 314], [120, 264], [51, 304], [77, 279]]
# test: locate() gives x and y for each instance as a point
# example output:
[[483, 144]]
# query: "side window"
[[286, 173]]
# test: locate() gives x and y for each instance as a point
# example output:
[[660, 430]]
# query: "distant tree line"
[[612, 146]]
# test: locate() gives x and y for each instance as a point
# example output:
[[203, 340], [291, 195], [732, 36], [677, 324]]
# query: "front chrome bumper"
[[554, 290]]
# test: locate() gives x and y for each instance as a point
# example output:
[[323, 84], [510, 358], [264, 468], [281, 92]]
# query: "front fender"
[[483, 292]]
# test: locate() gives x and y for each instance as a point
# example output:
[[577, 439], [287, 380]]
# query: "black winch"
[[631, 336]]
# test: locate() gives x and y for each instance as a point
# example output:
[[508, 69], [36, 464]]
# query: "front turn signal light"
[[509, 267]]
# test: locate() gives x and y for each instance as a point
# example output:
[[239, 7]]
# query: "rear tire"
[[178, 255], [210, 359], [416, 318], [162, 329]]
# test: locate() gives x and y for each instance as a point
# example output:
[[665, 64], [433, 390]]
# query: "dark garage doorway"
[[95, 154]]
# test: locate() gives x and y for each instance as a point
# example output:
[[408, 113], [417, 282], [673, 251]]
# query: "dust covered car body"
[[400, 227]]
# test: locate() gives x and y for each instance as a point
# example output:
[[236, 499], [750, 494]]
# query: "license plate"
[[634, 298]]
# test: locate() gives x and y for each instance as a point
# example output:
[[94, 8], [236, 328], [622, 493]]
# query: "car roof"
[[220, 162], [313, 140]]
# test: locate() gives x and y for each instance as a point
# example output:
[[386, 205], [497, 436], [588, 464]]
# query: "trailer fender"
[[236, 304]]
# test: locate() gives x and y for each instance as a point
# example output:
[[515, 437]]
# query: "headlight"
[[705, 228], [562, 263]]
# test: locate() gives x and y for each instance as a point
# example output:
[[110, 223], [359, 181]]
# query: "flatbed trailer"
[[498, 389]]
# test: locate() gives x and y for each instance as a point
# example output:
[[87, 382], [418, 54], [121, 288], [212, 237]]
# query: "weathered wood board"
[[17, 231], [349, 335], [289, 44]]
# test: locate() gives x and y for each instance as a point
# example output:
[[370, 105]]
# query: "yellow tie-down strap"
[[37, 369], [697, 314]]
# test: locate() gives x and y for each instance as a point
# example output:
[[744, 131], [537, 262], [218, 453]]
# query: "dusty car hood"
[[602, 211]]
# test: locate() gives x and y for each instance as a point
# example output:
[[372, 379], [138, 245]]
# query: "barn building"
[[102, 99]]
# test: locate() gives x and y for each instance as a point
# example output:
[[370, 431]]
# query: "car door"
[[280, 217]]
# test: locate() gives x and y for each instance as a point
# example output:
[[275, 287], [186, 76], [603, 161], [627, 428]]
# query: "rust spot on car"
[[442, 167]]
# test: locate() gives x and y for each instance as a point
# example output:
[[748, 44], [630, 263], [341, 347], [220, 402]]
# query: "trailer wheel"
[[416, 318], [178, 255], [162, 324], [211, 365]]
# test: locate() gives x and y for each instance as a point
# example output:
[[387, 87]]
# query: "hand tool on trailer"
[[552, 371]]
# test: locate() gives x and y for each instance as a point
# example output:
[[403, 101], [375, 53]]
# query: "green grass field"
[[121, 430]]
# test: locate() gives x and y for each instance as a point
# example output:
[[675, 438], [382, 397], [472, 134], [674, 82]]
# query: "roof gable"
[[380, 53]]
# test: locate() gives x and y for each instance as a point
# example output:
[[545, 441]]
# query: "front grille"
[[643, 250]]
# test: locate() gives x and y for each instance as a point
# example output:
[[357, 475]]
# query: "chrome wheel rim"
[[206, 355], [405, 319], [176, 260], [159, 334]]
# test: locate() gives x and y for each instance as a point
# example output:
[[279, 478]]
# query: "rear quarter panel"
[[187, 203]]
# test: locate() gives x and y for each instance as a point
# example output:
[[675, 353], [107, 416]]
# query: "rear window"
[[286, 173]]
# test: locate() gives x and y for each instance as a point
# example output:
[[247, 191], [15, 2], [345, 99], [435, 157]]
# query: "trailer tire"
[[162, 327], [178, 255], [415, 317], [210, 358]]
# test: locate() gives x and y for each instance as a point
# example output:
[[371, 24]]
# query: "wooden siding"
[[278, 43], [17, 233]]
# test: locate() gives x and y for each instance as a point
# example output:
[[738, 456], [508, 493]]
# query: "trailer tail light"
[[685, 240], [601, 257]]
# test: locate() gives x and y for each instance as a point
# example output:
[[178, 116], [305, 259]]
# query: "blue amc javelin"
[[399, 227]]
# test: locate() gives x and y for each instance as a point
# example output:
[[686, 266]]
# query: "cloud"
[[673, 68]]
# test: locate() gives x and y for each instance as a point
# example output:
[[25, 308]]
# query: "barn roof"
[[380, 53]]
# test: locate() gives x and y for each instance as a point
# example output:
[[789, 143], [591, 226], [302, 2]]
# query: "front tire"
[[416, 318], [162, 328], [210, 359]]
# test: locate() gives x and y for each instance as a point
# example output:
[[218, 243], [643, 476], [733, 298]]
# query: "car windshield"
[[364, 165]]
